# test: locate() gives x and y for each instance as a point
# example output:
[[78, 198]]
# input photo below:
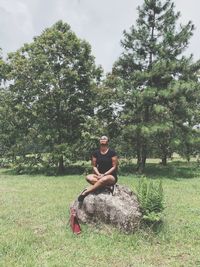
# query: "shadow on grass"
[[174, 170], [153, 227], [51, 171]]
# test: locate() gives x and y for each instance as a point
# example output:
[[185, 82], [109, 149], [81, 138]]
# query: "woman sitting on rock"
[[104, 162]]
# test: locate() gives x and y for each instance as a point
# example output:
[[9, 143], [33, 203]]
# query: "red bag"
[[76, 229]]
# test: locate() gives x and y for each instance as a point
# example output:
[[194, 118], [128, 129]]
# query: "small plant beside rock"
[[150, 196]]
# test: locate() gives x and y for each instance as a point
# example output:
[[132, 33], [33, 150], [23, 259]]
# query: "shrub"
[[150, 196], [126, 167]]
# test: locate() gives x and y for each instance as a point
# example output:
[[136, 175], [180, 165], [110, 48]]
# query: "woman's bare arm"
[[94, 165]]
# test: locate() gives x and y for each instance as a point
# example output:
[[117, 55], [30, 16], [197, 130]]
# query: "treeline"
[[55, 102]]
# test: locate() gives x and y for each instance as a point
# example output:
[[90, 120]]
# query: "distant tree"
[[53, 79], [5, 125], [105, 120], [2, 66], [4, 69], [159, 83]]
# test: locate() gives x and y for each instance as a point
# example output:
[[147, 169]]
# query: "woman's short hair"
[[104, 137]]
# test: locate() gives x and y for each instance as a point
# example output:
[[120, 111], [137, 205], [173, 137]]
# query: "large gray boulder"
[[120, 209]]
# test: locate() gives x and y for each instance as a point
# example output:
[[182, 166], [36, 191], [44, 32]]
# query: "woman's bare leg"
[[92, 178], [96, 183], [106, 180]]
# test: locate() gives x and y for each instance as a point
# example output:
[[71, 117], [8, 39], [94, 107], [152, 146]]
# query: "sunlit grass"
[[34, 229]]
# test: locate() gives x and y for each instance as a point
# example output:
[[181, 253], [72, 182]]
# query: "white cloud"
[[15, 25]]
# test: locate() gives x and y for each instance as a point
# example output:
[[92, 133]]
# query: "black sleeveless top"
[[104, 161]]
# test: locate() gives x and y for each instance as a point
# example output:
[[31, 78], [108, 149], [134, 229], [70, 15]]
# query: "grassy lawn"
[[34, 229]]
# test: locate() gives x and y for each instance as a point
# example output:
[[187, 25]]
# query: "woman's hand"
[[100, 176]]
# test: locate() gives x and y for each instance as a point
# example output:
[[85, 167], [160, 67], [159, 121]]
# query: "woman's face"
[[103, 140]]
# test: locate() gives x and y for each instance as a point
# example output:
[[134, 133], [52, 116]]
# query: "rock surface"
[[120, 209]]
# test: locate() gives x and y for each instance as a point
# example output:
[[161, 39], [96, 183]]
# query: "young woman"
[[104, 162]]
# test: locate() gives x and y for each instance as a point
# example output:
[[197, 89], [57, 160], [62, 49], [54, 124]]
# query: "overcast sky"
[[100, 22]]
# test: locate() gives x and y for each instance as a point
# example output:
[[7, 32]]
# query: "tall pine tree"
[[159, 82]]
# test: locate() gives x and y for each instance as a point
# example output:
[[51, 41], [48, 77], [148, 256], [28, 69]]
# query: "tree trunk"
[[164, 153], [61, 165], [164, 160], [138, 158], [141, 165], [141, 160]]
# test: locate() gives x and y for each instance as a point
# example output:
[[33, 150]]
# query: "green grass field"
[[34, 229]]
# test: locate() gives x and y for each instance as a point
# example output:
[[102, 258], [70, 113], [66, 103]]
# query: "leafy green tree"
[[159, 83], [105, 120], [8, 132], [2, 67], [188, 144], [53, 79], [4, 121]]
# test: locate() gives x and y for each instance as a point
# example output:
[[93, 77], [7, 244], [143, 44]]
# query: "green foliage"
[[159, 87], [150, 196], [57, 104], [53, 80], [126, 167], [3, 68]]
